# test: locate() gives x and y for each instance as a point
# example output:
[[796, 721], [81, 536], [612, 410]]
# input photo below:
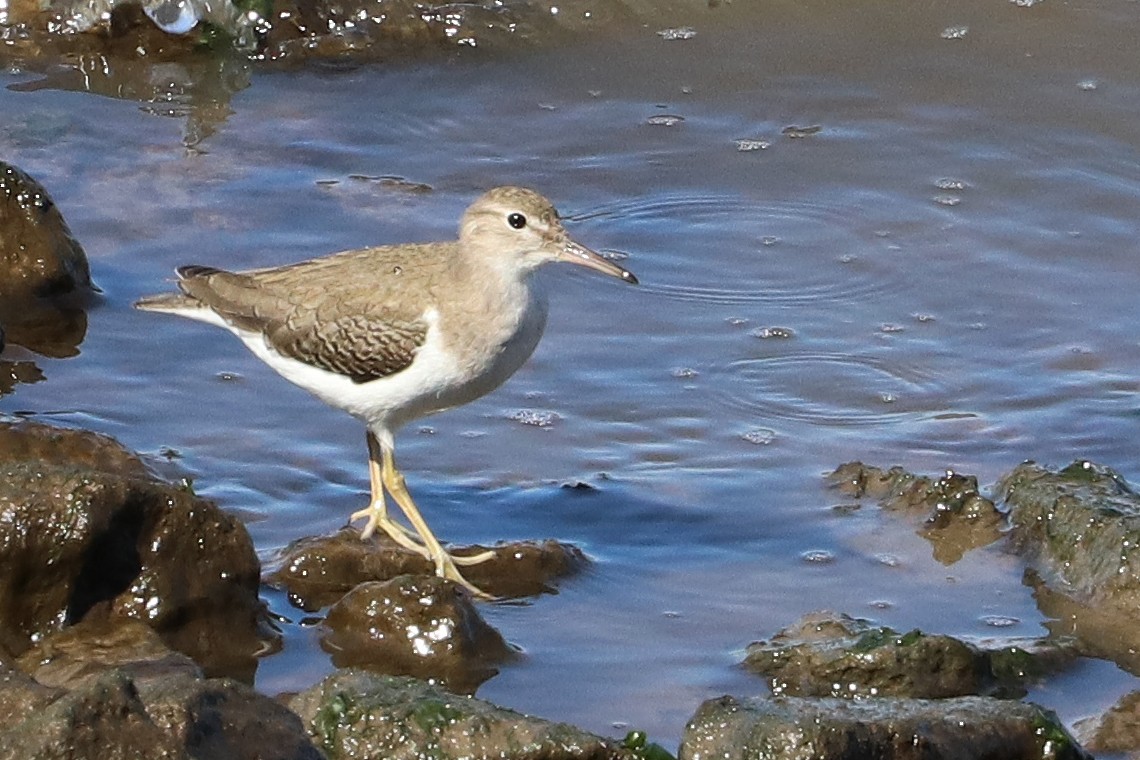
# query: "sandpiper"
[[397, 332]]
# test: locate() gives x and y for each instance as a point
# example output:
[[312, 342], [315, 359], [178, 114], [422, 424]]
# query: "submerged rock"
[[421, 626], [86, 530], [957, 517], [832, 655], [319, 570], [966, 728], [1079, 530], [359, 715]]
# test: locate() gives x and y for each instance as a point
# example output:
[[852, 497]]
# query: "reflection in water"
[[197, 87], [12, 373]]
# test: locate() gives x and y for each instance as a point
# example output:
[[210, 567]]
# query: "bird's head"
[[521, 229]]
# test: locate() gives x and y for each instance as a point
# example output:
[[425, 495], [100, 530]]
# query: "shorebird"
[[396, 332]]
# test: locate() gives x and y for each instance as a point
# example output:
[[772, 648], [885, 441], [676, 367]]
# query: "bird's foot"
[[445, 567], [378, 518], [473, 559]]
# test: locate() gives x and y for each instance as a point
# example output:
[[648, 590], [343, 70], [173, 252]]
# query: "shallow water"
[[944, 275]]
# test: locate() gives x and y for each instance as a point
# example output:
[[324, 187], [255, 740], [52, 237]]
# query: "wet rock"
[[176, 717], [966, 728], [1079, 531], [359, 715], [300, 30], [832, 655], [224, 719], [958, 518], [41, 265], [20, 695], [317, 571], [86, 530], [39, 257], [1117, 731], [417, 626], [105, 720], [76, 655], [420, 626]]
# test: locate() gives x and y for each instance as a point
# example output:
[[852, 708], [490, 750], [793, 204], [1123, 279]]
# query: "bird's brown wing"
[[342, 329]]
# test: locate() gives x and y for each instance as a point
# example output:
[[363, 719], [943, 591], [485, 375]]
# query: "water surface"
[[943, 275]]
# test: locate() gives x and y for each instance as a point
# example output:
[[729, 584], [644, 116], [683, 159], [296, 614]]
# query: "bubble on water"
[[678, 33], [946, 199], [665, 120], [777, 333], [888, 398], [736, 321], [950, 183], [685, 373], [769, 240], [535, 417], [818, 556], [922, 317], [1000, 621], [955, 32], [759, 436], [1025, 3], [747, 145], [889, 560], [229, 377], [1087, 84], [889, 327]]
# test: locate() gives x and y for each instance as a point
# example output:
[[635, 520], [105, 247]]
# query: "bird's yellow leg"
[[377, 509], [445, 563]]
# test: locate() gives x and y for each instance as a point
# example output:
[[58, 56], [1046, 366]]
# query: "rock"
[[965, 728], [177, 717], [831, 655], [39, 257], [85, 529], [958, 517], [421, 626], [317, 571], [1079, 531], [1117, 731], [224, 719], [353, 714], [21, 696], [353, 31], [106, 720], [72, 657], [41, 265]]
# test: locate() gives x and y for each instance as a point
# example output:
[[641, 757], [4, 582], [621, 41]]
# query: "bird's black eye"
[[516, 220]]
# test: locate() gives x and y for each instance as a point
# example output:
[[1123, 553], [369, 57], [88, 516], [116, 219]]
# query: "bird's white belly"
[[440, 377]]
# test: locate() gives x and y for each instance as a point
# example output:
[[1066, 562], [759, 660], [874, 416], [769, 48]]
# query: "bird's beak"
[[580, 254]]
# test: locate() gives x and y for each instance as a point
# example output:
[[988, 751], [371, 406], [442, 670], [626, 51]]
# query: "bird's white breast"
[[454, 365]]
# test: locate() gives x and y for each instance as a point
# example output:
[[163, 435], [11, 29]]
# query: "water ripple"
[[782, 252], [828, 389]]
